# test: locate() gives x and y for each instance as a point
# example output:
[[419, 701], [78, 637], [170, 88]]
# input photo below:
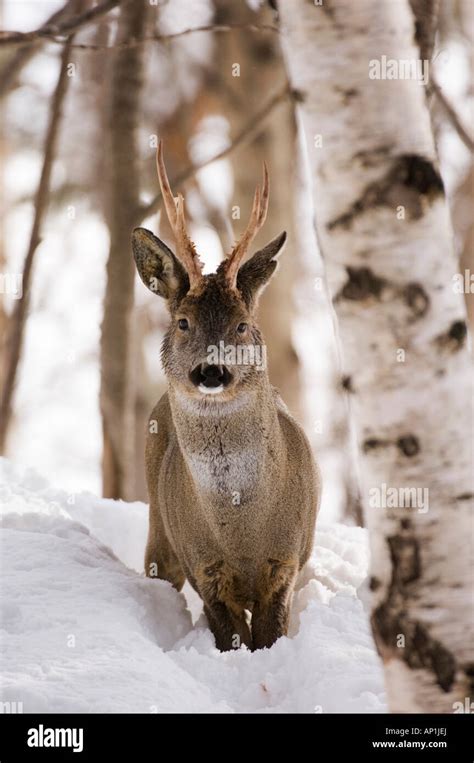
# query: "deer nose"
[[210, 376]]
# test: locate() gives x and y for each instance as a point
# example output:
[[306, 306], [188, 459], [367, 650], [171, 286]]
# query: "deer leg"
[[224, 606], [160, 560], [229, 628], [271, 611], [270, 620]]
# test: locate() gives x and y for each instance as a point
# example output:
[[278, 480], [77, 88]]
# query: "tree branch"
[[14, 339], [453, 115], [55, 36], [12, 68], [217, 28], [251, 128], [64, 27], [426, 20]]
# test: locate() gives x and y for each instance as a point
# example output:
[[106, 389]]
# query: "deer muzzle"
[[210, 379]]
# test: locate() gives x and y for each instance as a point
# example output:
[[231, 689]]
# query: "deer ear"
[[254, 274], [157, 266]]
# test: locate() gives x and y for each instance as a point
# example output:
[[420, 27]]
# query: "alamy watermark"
[[385, 497], [463, 283], [42, 736], [400, 68], [237, 355], [11, 707]]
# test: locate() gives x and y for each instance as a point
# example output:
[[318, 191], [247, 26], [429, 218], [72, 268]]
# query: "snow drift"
[[84, 631]]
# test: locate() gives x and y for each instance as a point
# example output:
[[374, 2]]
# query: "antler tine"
[[257, 218], [185, 251], [166, 191], [265, 196], [180, 232]]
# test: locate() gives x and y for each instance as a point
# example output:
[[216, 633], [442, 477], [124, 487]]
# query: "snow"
[[84, 631]]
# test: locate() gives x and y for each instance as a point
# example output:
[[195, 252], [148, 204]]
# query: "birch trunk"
[[386, 238]]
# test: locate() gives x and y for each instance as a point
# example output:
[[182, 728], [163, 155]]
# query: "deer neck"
[[232, 449]]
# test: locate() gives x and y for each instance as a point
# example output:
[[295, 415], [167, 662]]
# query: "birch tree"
[[385, 234]]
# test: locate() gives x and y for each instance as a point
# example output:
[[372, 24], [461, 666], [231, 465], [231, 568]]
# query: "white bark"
[[392, 287]]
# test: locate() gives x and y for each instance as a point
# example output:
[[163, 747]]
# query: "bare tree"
[[13, 342], [386, 237], [260, 71], [117, 384]]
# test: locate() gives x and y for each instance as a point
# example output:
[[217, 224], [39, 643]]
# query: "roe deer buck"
[[234, 490]]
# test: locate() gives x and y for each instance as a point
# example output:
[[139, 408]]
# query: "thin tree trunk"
[[386, 238], [261, 72], [11, 352], [117, 383]]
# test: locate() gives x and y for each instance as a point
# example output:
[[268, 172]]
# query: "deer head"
[[213, 331]]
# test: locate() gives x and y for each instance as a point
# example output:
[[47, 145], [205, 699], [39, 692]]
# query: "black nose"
[[210, 376]]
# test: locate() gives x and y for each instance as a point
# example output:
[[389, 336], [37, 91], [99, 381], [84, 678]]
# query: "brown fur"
[[234, 490]]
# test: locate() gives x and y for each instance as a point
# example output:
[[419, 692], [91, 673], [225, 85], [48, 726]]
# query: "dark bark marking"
[[347, 94], [416, 299], [469, 671], [346, 384], [458, 331], [410, 180], [299, 96], [409, 445], [361, 284], [390, 618], [373, 443], [405, 550], [430, 653], [420, 174], [372, 158], [454, 338]]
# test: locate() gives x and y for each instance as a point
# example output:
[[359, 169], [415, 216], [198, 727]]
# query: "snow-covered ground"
[[84, 631]]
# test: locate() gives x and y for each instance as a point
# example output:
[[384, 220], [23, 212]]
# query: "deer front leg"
[[160, 559], [229, 629], [224, 610], [271, 611]]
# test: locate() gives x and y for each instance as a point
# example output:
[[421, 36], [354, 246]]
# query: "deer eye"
[[242, 328], [183, 324]]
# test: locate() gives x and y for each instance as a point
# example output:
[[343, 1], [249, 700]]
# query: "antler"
[[185, 250], [256, 221]]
